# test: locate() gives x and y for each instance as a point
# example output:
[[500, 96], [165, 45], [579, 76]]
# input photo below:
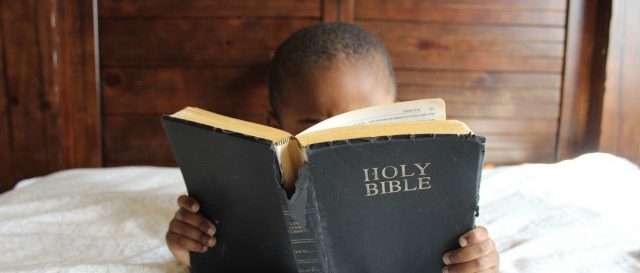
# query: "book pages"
[[426, 109]]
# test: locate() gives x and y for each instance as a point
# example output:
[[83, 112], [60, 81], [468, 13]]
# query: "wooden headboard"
[[520, 72], [498, 65]]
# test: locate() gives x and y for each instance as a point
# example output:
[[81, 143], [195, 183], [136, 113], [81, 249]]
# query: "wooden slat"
[[475, 62], [620, 123], [425, 11], [330, 10], [235, 91], [29, 137], [533, 111], [507, 40], [582, 94], [135, 140], [541, 5], [208, 8], [508, 157], [512, 126], [6, 174], [236, 41], [520, 142], [481, 95], [73, 90], [390, 30], [480, 79]]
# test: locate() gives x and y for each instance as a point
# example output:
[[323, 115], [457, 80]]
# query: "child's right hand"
[[189, 230]]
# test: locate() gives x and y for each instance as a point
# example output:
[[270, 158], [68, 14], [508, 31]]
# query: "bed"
[[579, 215]]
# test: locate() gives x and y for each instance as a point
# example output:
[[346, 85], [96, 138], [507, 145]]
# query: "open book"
[[382, 189]]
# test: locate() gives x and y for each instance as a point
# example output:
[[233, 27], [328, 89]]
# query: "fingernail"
[[463, 242], [204, 248], [446, 259], [445, 270], [210, 231], [210, 242]]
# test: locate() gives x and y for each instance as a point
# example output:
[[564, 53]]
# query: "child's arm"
[[189, 231], [477, 254]]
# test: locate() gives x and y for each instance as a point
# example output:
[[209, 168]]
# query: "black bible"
[[383, 189]]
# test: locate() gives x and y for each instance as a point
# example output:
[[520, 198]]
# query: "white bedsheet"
[[581, 215]]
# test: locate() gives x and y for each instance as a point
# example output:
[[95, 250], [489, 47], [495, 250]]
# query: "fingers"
[[469, 253], [188, 203], [477, 254], [196, 220], [483, 264], [476, 235], [493, 269], [191, 232], [175, 240]]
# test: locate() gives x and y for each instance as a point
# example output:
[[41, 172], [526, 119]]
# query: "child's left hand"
[[477, 254]]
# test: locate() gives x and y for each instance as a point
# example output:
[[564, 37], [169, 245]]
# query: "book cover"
[[390, 197]]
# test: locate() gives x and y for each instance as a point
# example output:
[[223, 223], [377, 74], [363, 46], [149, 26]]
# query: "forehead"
[[344, 86]]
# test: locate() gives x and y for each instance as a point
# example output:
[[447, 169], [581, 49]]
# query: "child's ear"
[[273, 121]]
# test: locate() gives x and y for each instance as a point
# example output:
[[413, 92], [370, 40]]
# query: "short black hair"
[[316, 46]]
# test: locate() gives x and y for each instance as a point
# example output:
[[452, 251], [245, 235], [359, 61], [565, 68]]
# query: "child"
[[318, 72]]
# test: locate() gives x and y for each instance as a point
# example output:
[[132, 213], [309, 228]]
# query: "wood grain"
[[6, 173], [50, 118], [75, 78], [481, 95], [396, 30], [208, 8], [583, 78], [541, 5], [507, 40], [620, 124], [473, 61], [193, 41], [462, 12], [489, 61], [24, 85], [167, 90], [478, 79]]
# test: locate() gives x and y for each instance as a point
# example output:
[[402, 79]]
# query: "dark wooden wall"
[[528, 74], [621, 115], [160, 56], [49, 114], [497, 64]]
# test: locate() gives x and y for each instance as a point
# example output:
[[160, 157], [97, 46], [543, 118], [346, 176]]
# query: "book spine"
[[299, 213]]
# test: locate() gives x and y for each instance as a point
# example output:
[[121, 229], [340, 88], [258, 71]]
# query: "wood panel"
[[471, 47], [193, 41], [587, 33], [478, 79], [543, 13], [160, 56], [28, 137], [476, 62], [483, 95], [208, 8], [74, 90], [489, 61], [6, 174], [620, 123], [166, 90], [50, 115], [136, 139], [498, 65]]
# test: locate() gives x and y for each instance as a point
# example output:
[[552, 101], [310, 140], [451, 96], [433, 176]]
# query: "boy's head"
[[327, 69]]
